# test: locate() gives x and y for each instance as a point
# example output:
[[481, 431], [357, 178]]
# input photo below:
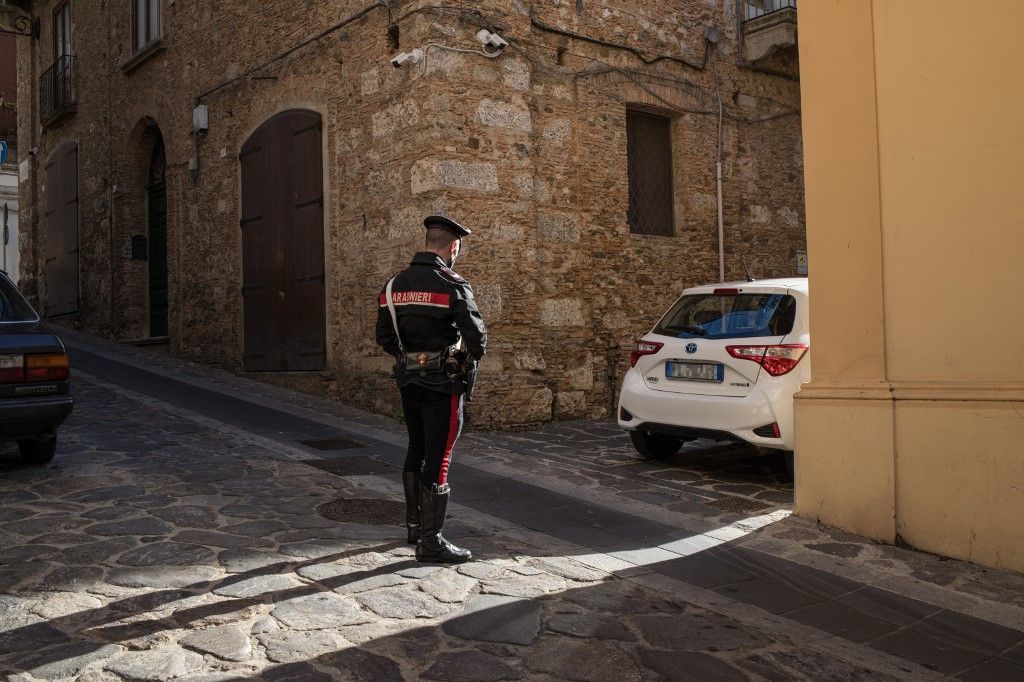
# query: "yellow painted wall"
[[950, 90], [913, 424]]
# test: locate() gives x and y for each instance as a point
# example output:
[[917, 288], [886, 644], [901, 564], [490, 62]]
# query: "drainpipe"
[[718, 178]]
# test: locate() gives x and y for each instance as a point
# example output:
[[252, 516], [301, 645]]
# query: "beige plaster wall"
[[912, 425]]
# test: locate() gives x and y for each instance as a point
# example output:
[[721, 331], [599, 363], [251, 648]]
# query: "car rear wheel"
[[37, 450], [788, 457], [655, 445]]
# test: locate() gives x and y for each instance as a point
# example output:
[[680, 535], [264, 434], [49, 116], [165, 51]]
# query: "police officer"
[[426, 313]]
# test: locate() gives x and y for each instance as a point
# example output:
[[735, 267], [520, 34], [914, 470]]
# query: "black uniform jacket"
[[434, 306]]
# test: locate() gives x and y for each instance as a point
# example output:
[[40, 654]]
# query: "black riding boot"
[[411, 483], [432, 546]]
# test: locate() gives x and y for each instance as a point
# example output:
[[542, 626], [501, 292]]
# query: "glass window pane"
[[729, 316], [67, 29], [154, 19], [140, 23]]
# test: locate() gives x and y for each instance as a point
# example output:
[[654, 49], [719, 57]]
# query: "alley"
[[197, 525]]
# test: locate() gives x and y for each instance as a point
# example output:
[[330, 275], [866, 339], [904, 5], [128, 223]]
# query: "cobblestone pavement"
[[182, 533]]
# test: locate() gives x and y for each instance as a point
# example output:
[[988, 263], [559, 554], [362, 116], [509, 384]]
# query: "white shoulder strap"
[[394, 317]]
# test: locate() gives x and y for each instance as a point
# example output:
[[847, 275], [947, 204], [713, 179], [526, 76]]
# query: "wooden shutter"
[[61, 269]]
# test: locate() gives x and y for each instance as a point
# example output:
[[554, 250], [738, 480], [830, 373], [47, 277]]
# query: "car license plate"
[[694, 371]]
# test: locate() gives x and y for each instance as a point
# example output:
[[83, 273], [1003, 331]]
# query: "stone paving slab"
[[172, 545]]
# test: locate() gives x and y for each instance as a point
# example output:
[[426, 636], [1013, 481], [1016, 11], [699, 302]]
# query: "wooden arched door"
[[283, 245]]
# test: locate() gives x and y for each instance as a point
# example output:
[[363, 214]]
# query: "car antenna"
[[746, 272]]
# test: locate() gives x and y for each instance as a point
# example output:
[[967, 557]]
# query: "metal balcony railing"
[[57, 88], [760, 8]]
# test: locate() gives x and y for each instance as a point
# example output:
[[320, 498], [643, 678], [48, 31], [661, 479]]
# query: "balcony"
[[57, 91], [768, 26]]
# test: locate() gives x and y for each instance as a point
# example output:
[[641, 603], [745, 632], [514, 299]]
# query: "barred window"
[[649, 151], [146, 23]]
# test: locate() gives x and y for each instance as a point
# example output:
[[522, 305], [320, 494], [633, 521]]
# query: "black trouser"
[[434, 421]]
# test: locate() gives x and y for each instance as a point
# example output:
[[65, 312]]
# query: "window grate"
[[649, 150]]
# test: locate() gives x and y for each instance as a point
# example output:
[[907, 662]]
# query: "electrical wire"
[[537, 23], [470, 14], [634, 77], [447, 48], [281, 55]]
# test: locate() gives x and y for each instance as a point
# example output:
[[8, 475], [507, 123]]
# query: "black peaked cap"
[[446, 224]]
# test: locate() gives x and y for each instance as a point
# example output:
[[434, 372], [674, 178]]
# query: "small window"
[[147, 28], [62, 31], [649, 151]]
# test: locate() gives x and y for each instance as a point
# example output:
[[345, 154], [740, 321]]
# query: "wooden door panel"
[[61, 216], [283, 251]]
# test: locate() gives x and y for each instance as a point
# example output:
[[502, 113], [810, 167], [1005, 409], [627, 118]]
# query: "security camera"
[[488, 39], [413, 57]]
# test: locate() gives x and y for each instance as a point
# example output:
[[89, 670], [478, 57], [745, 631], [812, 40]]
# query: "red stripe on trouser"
[[453, 433]]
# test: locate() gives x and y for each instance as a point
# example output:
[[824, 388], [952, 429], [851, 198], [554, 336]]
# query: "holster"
[[424, 361]]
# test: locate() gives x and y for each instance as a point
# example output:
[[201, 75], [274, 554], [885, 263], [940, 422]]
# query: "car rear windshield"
[[729, 316], [13, 306]]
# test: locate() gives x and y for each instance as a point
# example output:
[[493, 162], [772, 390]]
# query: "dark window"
[[146, 18], [729, 316], [62, 31], [649, 148]]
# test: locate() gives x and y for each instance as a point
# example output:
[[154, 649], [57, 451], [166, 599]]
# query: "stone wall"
[[528, 149]]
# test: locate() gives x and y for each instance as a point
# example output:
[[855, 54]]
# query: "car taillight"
[[12, 369], [643, 348], [776, 360], [49, 367]]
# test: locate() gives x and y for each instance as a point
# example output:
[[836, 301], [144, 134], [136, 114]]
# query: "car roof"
[[798, 283]]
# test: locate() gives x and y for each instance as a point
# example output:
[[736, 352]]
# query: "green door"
[[158, 260]]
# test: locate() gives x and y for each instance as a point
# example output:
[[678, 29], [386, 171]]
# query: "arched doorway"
[[156, 191], [283, 245]]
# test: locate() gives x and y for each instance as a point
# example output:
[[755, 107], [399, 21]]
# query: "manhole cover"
[[353, 466], [367, 511], [739, 505], [331, 444]]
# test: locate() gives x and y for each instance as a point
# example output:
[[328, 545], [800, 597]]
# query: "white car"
[[723, 363]]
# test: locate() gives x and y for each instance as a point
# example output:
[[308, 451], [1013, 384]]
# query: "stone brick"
[[562, 227], [432, 174], [396, 117], [562, 312], [557, 131], [570, 405], [498, 114]]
